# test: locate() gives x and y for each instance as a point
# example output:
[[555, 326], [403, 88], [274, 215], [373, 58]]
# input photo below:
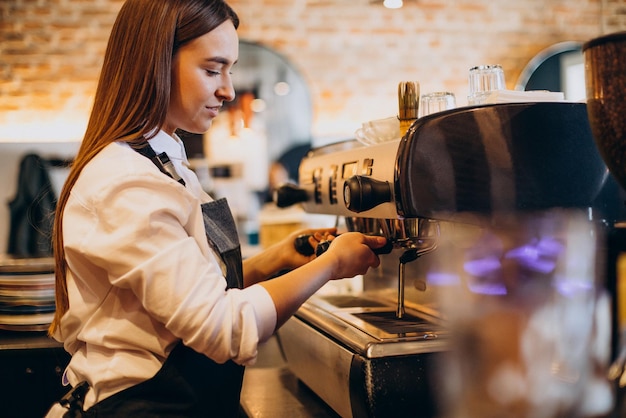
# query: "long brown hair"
[[133, 91]]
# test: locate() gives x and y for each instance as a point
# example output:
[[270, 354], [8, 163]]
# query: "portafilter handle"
[[303, 246]]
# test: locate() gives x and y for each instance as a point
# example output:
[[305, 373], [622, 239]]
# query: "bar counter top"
[[276, 393], [270, 390]]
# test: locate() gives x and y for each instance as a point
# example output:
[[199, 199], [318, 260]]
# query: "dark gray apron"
[[188, 384]]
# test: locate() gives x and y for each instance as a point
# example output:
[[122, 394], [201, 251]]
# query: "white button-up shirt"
[[142, 275]]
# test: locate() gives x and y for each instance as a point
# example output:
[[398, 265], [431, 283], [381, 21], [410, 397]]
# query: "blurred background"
[[320, 67]]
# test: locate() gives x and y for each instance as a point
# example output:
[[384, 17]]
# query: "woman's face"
[[201, 79]]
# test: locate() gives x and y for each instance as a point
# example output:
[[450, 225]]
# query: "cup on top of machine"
[[378, 131], [484, 79], [436, 102]]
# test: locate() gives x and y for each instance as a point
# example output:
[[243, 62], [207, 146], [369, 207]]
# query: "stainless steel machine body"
[[355, 351]]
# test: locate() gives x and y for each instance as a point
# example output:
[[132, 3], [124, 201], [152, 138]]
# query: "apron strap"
[[162, 161]]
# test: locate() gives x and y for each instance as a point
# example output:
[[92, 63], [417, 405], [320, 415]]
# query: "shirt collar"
[[171, 145]]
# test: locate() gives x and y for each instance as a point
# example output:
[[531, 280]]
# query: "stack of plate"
[[26, 294]]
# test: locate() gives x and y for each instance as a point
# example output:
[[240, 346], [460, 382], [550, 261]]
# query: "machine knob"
[[289, 194], [362, 193]]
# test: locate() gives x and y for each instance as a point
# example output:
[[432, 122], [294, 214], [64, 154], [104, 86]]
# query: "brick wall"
[[352, 53], [613, 15]]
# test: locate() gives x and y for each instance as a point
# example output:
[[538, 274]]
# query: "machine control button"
[[368, 165], [317, 182], [332, 185]]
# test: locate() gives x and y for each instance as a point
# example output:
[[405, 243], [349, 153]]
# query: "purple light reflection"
[[550, 246], [487, 288], [569, 287], [483, 272], [440, 278], [482, 266], [539, 256]]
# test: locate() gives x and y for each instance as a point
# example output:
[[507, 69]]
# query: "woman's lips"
[[213, 111]]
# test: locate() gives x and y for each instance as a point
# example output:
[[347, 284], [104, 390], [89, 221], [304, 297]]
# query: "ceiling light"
[[281, 88], [392, 4]]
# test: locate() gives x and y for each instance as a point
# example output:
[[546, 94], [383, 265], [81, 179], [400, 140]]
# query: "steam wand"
[[415, 250], [406, 257]]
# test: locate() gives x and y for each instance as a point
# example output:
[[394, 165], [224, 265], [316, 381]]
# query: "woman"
[[152, 301]]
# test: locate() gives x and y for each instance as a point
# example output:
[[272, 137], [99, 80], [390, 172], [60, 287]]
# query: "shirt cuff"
[[265, 311]]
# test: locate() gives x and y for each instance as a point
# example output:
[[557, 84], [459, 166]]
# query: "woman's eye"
[[213, 73]]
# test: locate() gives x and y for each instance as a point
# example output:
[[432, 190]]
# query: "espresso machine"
[[375, 353]]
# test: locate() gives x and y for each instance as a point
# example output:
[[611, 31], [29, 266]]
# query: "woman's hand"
[[354, 253], [283, 255], [299, 247]]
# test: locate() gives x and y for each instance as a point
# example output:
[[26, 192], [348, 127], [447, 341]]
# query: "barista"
[[154, 304]]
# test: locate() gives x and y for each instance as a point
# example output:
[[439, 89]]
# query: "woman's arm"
[[349, 254]]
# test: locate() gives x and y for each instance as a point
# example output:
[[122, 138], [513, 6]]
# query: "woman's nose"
[[227, 91]]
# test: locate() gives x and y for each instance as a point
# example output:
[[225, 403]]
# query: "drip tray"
[[367, 324], [345, 301], [390, 324]]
